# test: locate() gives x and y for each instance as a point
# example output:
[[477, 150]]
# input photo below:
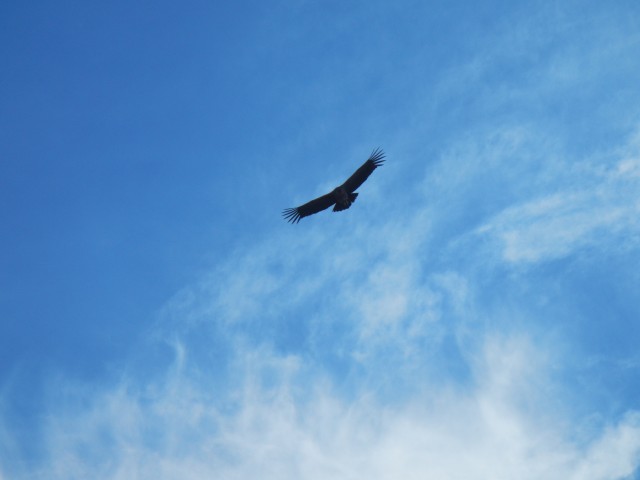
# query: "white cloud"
[[615, 454], [277, 425], [598, 205]]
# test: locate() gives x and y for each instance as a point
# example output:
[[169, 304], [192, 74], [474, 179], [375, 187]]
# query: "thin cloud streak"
[[604, 207]]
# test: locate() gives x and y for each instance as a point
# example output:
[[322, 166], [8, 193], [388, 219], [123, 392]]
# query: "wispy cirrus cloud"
[[276, 423], [597, 205]]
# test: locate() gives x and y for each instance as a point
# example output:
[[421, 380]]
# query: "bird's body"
[[341, 197]]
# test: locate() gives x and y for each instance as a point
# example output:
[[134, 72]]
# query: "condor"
[[341, 197]]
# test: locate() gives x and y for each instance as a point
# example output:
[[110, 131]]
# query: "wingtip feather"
[[291, 215], [377, 157]]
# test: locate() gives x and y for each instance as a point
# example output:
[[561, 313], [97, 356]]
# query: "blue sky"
[[473, 315]]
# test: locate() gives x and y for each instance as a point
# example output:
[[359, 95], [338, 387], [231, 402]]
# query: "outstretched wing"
[[294, 215], [374, 161]]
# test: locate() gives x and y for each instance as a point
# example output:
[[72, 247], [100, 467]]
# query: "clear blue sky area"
[[473, 315]]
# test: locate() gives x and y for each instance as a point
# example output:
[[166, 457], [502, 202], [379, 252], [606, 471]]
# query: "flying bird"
[[341, 197]]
